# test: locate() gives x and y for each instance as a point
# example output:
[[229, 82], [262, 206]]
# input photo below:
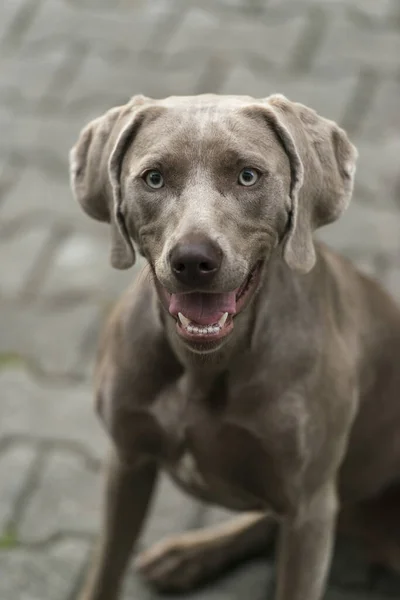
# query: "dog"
[[249, 361]]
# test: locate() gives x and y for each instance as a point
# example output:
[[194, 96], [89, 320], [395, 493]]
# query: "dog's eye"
[[154, 179], [248, 177]]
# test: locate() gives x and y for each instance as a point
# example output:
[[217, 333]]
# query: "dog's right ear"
[[95, 166]]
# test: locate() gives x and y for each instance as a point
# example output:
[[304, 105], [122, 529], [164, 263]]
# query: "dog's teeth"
[[205, 330], [223, 319], [185, 322]]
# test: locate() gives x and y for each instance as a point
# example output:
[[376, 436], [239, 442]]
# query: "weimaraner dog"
[[253, 364]]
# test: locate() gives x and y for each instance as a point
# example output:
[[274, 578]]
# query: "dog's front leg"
[[128, 492], [306, 542]]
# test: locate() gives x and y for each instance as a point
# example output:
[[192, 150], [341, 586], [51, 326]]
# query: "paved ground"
[[63, 62]]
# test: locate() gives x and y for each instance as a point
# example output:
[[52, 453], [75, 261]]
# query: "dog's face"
[[207, 187]]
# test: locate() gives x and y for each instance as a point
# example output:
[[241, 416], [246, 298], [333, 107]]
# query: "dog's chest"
[[214, 454], [200, 473], [186, 471]]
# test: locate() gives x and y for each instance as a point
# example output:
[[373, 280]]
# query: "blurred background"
[[64, 62]]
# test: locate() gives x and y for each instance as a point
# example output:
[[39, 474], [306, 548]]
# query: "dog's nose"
[[195, 260]]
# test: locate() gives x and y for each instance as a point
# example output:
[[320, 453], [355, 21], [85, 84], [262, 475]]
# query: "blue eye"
[[248, 177], [154, 179]]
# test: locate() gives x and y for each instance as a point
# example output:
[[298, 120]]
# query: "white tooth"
[[185, 322], [210, 329], [222, 320], [216, 329], [203, 331], [190, 329], [195, 330]]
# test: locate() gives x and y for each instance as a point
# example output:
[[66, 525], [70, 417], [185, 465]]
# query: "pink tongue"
[[204, 309]]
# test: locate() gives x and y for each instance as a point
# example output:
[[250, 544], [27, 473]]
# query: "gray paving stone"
[[67, 499], [49, 412], [41, 140], [81, 267], [196, 29], [349, 47], [38, 197], [25, 255], [30, 69], [126, 27], [53, 340], [378, 172], [378, 11], [8, 14], [6, 124], [229, 35], [41, 574], [383, 120], [7, 174], [364, 229], [15, 464]]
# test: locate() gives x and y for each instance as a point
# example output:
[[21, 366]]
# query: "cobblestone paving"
[[63, 62]]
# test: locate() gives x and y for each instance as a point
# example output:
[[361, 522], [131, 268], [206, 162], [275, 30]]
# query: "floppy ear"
[[322, 164], [95, 166]]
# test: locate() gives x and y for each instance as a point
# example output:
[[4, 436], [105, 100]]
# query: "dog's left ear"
[[322, 164]]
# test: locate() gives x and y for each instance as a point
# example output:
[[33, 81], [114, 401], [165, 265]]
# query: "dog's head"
[[206, 188]]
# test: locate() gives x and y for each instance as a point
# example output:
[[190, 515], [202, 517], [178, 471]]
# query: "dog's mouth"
[[205, 318]]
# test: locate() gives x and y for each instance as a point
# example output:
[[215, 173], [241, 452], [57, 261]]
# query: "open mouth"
[[205, 318]]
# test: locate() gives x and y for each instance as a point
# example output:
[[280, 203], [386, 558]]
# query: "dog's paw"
[[179, 564]]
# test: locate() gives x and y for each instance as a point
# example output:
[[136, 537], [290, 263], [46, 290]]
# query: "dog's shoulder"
[[366, 316], [133, 327], [359, 290]]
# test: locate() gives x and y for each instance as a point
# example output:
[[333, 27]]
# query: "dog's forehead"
[[206, 128], [204, 110], [188, 124], [202, 114], [205, 101]]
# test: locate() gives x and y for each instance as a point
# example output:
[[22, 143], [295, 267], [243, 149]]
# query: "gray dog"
[[257, 367]]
